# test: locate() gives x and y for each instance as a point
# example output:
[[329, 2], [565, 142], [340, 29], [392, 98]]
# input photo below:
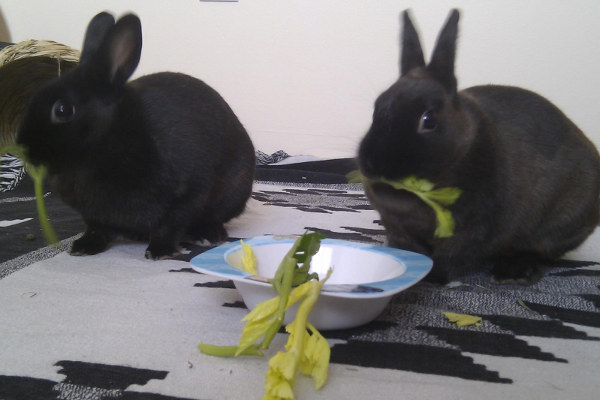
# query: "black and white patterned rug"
[[117, 326]]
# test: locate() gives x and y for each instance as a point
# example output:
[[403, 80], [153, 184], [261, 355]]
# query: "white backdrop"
[[302, 75]]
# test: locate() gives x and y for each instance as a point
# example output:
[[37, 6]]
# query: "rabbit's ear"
[[124, 48], [118, 54], [412, 53], [441, 65], [95, 33]]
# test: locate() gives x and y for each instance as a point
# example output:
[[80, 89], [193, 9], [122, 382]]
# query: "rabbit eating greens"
[[156, 158], [528, 177]]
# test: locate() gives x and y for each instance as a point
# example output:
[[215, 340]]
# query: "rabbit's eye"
[[428, 122], [62, 112]]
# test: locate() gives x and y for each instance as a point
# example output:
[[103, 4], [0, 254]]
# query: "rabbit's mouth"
[[368, 169], [39, 157]]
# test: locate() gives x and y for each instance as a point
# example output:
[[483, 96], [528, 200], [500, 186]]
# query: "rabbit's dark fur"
[[153, 159], [529, 177]]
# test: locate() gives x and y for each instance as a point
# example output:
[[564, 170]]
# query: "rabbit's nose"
[[368, 166]]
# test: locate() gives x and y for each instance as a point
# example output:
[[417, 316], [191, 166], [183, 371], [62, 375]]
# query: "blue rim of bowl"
[[417, 266]]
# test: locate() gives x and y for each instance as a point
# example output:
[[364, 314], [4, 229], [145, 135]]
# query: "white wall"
[[302, 75]]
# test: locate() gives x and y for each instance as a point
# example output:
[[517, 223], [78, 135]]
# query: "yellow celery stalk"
[[248, 258], [37, 175], [306, 352], [307, 349]]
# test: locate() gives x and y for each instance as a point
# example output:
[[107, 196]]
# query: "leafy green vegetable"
[[248, 258], [424, 189], [306, 352], [37, 174], [307, 349], [463, 319], [300, 253], [228, 351], [315, 357]]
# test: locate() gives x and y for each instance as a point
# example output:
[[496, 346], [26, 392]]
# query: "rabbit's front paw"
[[92, 242], [161, 251]]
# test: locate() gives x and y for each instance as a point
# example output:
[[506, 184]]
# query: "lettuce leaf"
[[437, 199]]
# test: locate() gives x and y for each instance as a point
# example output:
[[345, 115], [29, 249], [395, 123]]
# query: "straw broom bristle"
[[31, 48]]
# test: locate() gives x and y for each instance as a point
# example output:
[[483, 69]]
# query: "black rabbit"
[[155, 158], [530, 179]]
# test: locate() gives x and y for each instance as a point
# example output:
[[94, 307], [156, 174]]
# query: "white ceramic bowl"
[[364, 278]]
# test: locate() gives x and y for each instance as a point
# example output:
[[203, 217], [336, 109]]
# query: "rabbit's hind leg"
[[209, 228], [518, 268]]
